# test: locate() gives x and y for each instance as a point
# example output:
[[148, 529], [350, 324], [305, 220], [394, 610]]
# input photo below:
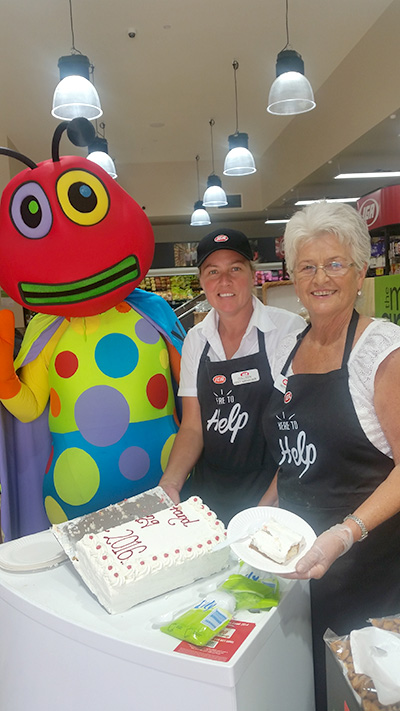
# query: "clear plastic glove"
[[329, 546], [9, 382]]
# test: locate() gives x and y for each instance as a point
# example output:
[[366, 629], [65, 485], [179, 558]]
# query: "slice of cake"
[[151, 555], [277, 542]]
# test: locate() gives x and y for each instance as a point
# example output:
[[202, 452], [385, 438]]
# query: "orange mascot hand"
[[10, 384]]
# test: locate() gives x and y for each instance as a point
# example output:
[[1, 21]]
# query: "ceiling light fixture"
[[214, 195], [239, 160], [75, 95], [291, 93], [98, 153], [376, 174], [199, 216], [310, 202]]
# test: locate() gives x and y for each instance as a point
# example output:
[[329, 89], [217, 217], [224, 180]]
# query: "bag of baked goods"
[[370, 661]]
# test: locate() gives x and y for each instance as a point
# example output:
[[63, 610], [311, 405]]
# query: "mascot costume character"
[[91, 394]]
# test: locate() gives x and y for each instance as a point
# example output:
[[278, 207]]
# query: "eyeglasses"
[[331, 269]]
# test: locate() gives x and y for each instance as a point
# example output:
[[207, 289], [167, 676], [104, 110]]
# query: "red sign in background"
[[381, 208], [223, 646]]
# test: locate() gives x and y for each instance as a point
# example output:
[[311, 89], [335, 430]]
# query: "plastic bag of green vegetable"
[[252, 594], [203, 621]]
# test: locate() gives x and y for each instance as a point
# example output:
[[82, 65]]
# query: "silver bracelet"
[[359, 522]]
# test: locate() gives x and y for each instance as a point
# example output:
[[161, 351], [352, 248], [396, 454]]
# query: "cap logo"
[[221, 238]]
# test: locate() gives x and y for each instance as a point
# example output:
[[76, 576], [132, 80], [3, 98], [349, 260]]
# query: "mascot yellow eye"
[[83, 197]]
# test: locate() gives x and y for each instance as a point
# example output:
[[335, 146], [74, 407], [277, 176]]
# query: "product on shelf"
[[184, 287], [181, 287]]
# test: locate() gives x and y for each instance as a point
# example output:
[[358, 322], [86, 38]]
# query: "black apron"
[[235, 468], [328, 467]]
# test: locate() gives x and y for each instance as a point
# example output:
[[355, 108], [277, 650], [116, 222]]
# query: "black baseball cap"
[[223, 239]]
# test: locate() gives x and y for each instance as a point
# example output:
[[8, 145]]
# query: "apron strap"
[[294, 350], [347, 348], [261, 346], [261, 343], [350, 337]]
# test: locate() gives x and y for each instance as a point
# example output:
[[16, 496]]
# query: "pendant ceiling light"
[[239, 160], [199, 216], [214, 196], [98, 153], [291, 93], [75, 95]]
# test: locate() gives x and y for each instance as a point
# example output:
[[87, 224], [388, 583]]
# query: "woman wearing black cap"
[[226, 382]]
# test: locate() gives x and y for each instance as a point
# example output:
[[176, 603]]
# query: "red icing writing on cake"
[[180, 517], [149, 520], [124, 546]]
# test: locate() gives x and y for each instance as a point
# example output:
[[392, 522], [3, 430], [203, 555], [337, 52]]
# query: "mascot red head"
[[60, 216]]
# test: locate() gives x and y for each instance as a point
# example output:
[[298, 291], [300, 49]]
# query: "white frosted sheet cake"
[[151, 555]]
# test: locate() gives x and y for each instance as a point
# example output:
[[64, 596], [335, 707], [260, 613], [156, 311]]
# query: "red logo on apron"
[[219, 379], [288, 397]]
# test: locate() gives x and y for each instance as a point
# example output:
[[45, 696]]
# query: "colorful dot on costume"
[[85, 326], [50, 460], [76, 476], [146, 332], [166, 451], [102, 415], [116, 344], [164, 359], [66, 364], [134, 463], [54, 511], [157, 391], [123, 307], [55, 403]]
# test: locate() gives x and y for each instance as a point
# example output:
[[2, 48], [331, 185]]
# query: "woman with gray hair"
[[333, 428]]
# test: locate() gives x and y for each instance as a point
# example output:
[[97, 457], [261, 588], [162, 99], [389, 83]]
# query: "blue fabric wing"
[[156, 310]]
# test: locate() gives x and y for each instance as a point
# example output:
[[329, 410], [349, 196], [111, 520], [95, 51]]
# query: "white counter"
[[61, 651]]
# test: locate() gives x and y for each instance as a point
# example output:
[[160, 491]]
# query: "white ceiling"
[[160, 89]]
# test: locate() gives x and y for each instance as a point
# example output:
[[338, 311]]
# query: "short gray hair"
[[334, 218]]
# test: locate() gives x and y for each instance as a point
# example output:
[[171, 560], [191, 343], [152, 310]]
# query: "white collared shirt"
[[275, 323]]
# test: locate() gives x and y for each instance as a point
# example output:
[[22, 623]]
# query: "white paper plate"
[[36, 552], [257, 516]]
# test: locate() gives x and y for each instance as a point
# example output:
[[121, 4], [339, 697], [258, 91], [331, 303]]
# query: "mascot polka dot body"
[[99, 352], [111, 418]]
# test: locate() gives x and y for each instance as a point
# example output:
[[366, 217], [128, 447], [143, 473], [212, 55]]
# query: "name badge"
[[245, 376], [281, 383]]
